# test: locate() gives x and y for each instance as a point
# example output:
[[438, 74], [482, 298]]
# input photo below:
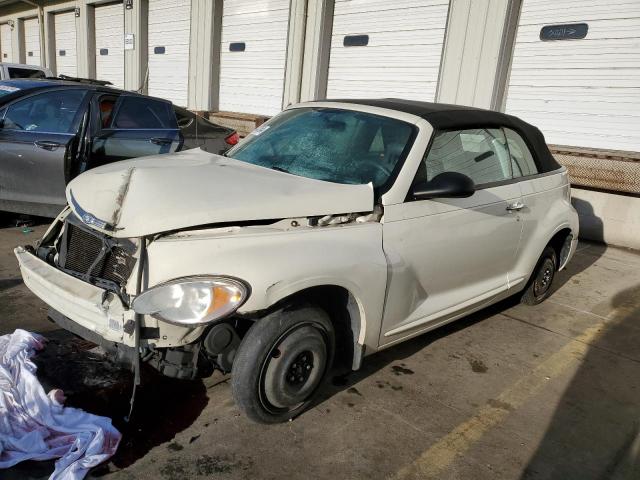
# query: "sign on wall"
[[129, 41], [570, 31]]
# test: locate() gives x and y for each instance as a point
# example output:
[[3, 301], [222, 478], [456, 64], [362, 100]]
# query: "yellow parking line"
[[435, 460]]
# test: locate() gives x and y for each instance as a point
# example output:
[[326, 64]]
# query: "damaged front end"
[[113, 292], [143, 264], [89, 280]]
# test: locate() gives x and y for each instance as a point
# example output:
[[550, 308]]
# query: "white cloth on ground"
[[34, 426]]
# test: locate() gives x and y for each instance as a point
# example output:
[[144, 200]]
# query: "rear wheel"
[[281, 363], [539, 286]]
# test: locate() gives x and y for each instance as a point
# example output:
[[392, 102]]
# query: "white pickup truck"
[[19, 70]]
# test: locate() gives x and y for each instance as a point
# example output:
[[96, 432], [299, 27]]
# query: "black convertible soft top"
[[443, 116]]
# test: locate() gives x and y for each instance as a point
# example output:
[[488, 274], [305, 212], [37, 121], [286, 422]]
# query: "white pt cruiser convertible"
[[335, 230]]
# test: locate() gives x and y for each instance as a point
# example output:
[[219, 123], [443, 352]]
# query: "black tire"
[[539, 286], [282, 361]]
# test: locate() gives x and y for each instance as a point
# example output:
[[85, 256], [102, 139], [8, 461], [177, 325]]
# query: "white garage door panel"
[[577, 105], [6, 52], [583, 93], [32, 41], [65, 34], [253, 81], [586, 77], [571, 10], [110, 38], [169, 27], [402, 57]]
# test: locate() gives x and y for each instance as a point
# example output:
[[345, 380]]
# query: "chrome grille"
[[89, 254]]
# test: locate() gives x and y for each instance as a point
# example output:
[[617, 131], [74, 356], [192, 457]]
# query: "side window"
[[521, 159], [15, 72], [480, 153], [51, 112], [138, 113], [106, 104]]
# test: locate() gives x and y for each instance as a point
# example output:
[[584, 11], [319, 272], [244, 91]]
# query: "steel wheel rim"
[[544, 278], [300, 370], [301, 363]]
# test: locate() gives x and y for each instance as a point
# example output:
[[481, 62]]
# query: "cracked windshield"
[[334, 145]]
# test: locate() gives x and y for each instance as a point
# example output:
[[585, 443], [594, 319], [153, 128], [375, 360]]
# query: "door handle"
[[161, 141], [515, 206], [47, 145]]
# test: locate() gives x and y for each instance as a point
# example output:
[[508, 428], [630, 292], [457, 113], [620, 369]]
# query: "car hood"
[[160, 193]]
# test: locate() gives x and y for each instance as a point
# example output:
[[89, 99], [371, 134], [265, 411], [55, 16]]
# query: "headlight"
[[192, 301]]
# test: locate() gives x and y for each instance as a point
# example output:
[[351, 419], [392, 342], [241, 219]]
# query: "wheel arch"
[[345, 309], [557, 242], [553, 237]]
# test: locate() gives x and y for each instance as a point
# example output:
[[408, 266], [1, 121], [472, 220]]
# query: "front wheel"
[[281, 362], [539, 286]]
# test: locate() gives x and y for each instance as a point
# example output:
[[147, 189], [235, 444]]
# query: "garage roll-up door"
[[253, 54], [579, 92], [32, 41], [386, 49], [110, 43], [6, 53], [65, 35], [169, 29]]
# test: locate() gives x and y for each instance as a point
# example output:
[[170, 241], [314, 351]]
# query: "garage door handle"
[[515, 206], [161, 141], [46, 145]]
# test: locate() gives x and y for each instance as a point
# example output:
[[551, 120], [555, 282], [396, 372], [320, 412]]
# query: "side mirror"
[[445, 185]]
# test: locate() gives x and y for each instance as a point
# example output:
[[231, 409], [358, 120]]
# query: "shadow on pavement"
[[7, 283], [594, 433], [341, 380], [591, 226]]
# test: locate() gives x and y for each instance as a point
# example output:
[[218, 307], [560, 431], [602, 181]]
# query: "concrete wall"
[[608, 217], [86, 40], [204, 54], [136, 60], [317, 44], [295, 52], [475, 56]]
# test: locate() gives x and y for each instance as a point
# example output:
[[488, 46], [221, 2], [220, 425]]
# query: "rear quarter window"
[[522, 161], [139, 113], [15, 72]]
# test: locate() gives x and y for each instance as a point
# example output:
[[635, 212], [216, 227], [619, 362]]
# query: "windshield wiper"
[[280, 169]]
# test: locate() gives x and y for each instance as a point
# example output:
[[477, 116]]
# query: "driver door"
[[37, 142], [450, 256]]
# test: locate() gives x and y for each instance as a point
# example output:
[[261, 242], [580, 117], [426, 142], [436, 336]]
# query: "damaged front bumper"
[[99, 316], [92, 308]]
